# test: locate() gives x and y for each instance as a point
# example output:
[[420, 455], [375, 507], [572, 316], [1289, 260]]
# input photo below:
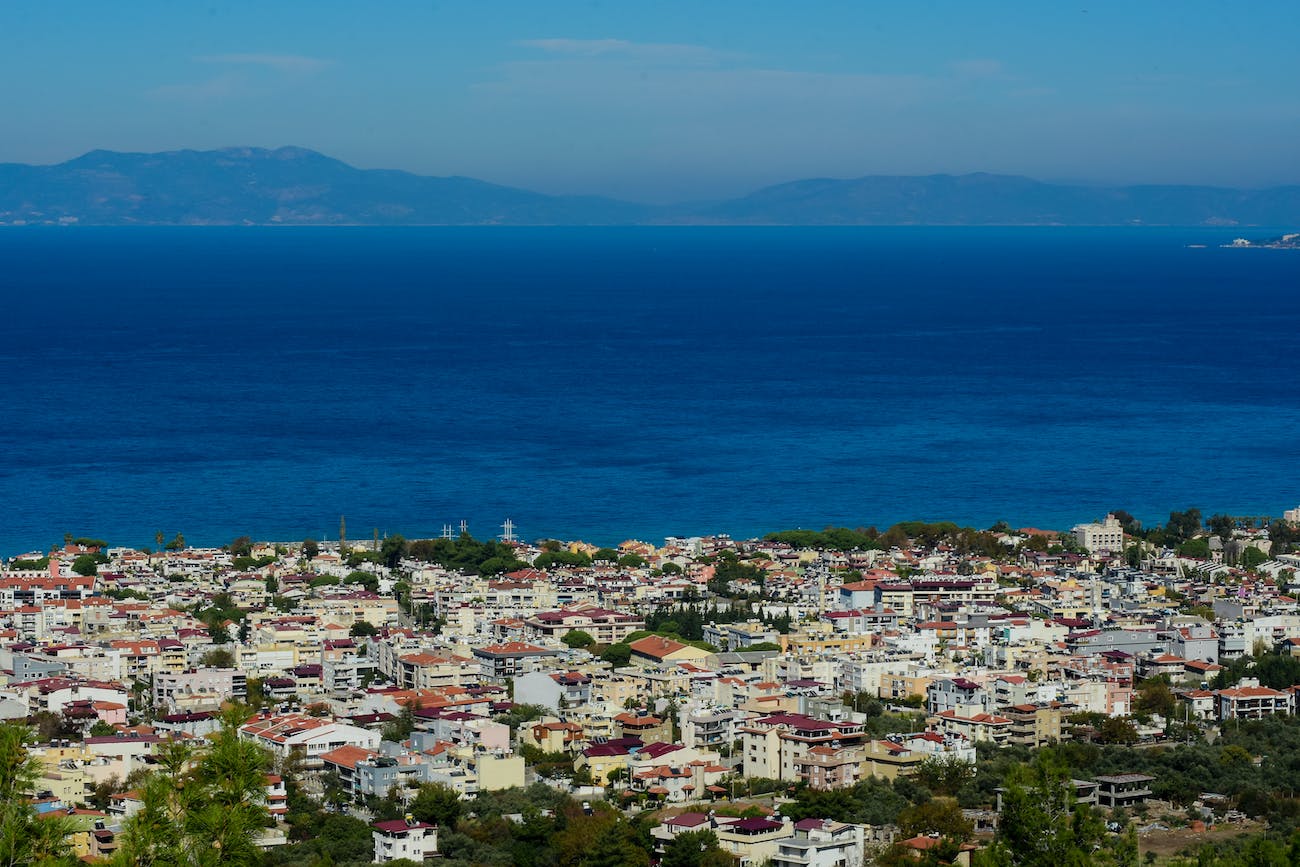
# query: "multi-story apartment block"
[[198, 689], [1105, 536], [1252, 701], [771, 745]]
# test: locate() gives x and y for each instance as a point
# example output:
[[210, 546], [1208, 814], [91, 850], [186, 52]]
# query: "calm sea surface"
[[615, 383]]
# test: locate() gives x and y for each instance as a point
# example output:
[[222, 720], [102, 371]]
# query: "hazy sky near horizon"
[[671, 100]]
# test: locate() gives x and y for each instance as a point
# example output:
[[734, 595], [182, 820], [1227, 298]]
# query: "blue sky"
[[664, 101]]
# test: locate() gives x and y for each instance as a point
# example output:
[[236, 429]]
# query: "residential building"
[[1123, 790], [501, 661], [771, 745], [307, 737], [404, 839], [1105, 536], [821, 843], [1252, 701]]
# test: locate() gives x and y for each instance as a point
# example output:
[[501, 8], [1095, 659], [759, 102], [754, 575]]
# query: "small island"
[[1282, 242]]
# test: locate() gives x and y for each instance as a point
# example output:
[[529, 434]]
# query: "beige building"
[[1105, 536], [1034, 725], [889, 760], [550, 735], [773, 745]]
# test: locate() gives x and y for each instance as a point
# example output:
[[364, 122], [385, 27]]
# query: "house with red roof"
[[1249, 700], [399, 839], [306, 736], [603, 624], [657, 650]]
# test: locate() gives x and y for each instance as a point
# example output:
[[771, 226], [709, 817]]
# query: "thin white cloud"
[[709, 90], [661, 52], [241, 74], [296, 63]]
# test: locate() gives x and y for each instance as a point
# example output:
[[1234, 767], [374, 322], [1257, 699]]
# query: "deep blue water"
[[612, 383]]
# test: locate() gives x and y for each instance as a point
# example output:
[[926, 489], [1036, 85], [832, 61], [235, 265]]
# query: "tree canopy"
[[202, 806], [26, 838]]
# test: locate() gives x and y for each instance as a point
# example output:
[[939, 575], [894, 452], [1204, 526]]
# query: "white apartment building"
[[408, 839]]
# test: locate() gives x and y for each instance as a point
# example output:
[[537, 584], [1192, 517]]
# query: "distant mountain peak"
[[286, 185], [293, 185], [284, 152]]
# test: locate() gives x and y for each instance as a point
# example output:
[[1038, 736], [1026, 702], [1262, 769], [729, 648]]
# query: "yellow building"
[[889, 760], [496, 772], [817, 638], [657, 650], [896, 687], [550, 735], [600, 761]]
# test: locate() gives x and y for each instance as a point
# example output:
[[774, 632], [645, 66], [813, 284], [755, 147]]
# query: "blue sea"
[[609, 383]]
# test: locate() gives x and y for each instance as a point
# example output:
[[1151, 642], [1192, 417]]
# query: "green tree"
[[578, 638], [1221, 526], [176, 544], [1184, 525], [945, 775], [1040, 825], [400, 729], [617, 654], [1198, 549], [1277, 670], [1117, 730], [940, 816], [391, 550], [615, 845], [241, 547], [362, 628], [693, 849], [1155, 696], [218, 657], [201, 807], [368, 580], [310, 548], [1251, 558], [86, 564], [437, 804], [26, 839], [497, 565]]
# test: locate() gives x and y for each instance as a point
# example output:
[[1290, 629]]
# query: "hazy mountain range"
[[295, 186]]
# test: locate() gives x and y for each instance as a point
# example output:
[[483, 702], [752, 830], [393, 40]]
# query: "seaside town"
[[929, 694]]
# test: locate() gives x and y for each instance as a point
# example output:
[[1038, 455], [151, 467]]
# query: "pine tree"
[[24, 838], [202, 807]]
